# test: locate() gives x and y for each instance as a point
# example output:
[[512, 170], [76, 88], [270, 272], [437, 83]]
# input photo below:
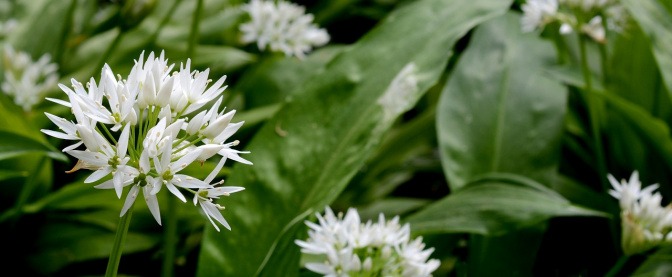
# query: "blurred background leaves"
[[490, 155]]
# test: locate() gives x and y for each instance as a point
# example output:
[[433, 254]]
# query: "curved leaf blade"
[[655, 18], [498, 112], [13, 145], [494, 207], [329, 128]]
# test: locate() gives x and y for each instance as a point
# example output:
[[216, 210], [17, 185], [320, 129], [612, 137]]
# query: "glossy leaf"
[[307, 153], [655, 18], [492, 207], [658, 264], [498, 111], [13, 145]]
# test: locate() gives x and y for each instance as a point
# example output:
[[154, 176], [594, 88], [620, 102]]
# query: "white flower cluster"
[[7, 27], [646, 224], [27, 81], [353, 248], [283, 27], [141, 131], [584, 15]]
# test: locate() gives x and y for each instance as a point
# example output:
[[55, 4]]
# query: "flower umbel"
[[283, 27], [353, 248], [141, 131], [646, 224], [27, 81], [586, 16]]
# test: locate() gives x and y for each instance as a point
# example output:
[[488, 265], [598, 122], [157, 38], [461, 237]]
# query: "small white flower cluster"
[[353, 248], [7, 27], [27, 81], [584, 15], [140, 130], [646, 224], [283, 27]]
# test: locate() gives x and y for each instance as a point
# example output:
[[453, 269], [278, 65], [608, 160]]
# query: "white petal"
[[130, 198], [98, 174], [175, 192], [184, 161], [105, 185], [123, 141], [152, 203], [187, 181], [93, 158], [216, 192]]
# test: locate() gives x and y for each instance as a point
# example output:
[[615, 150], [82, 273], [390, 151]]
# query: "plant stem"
[[594, 108], [170, 239], [618, 266], [164, 21], [109, 50], [61, 47], [170, 235], [193, 35], [28, 188], [119, 239]]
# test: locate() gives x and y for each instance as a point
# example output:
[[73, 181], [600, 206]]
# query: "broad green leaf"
[[655, 18], [494, 207], [652, 131], [514, 253], [9, 174], [391, 207], [658, 264], [393, 163], [307, 153], [41, 31], [498, 112], [65, 243], [275, 77], [13, 145], [634, 75]]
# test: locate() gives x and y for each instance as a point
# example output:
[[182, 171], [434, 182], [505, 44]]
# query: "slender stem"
[[594, 108], [28, 188], [60, 48], [603, 62], [193, 35], [559, 45], [170, 239], [109, 50], [170, 235], [164, 21], [618, 266], [107, 132], [118, 247]]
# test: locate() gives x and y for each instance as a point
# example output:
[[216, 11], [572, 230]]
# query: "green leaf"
[[391, 206], [658, 264], [13, 145], [64, 243], [652, 131], [9, 174], [498, 111], [275, 77], [308, 152], [655, 18], [494, 207], [41, 31]]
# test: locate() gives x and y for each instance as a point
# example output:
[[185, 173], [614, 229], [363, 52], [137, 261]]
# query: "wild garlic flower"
[[7, 27], [27, 81], [646, 224], [353, 248], [538, 13], [282, 27], [140, 131], [587, 16]]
